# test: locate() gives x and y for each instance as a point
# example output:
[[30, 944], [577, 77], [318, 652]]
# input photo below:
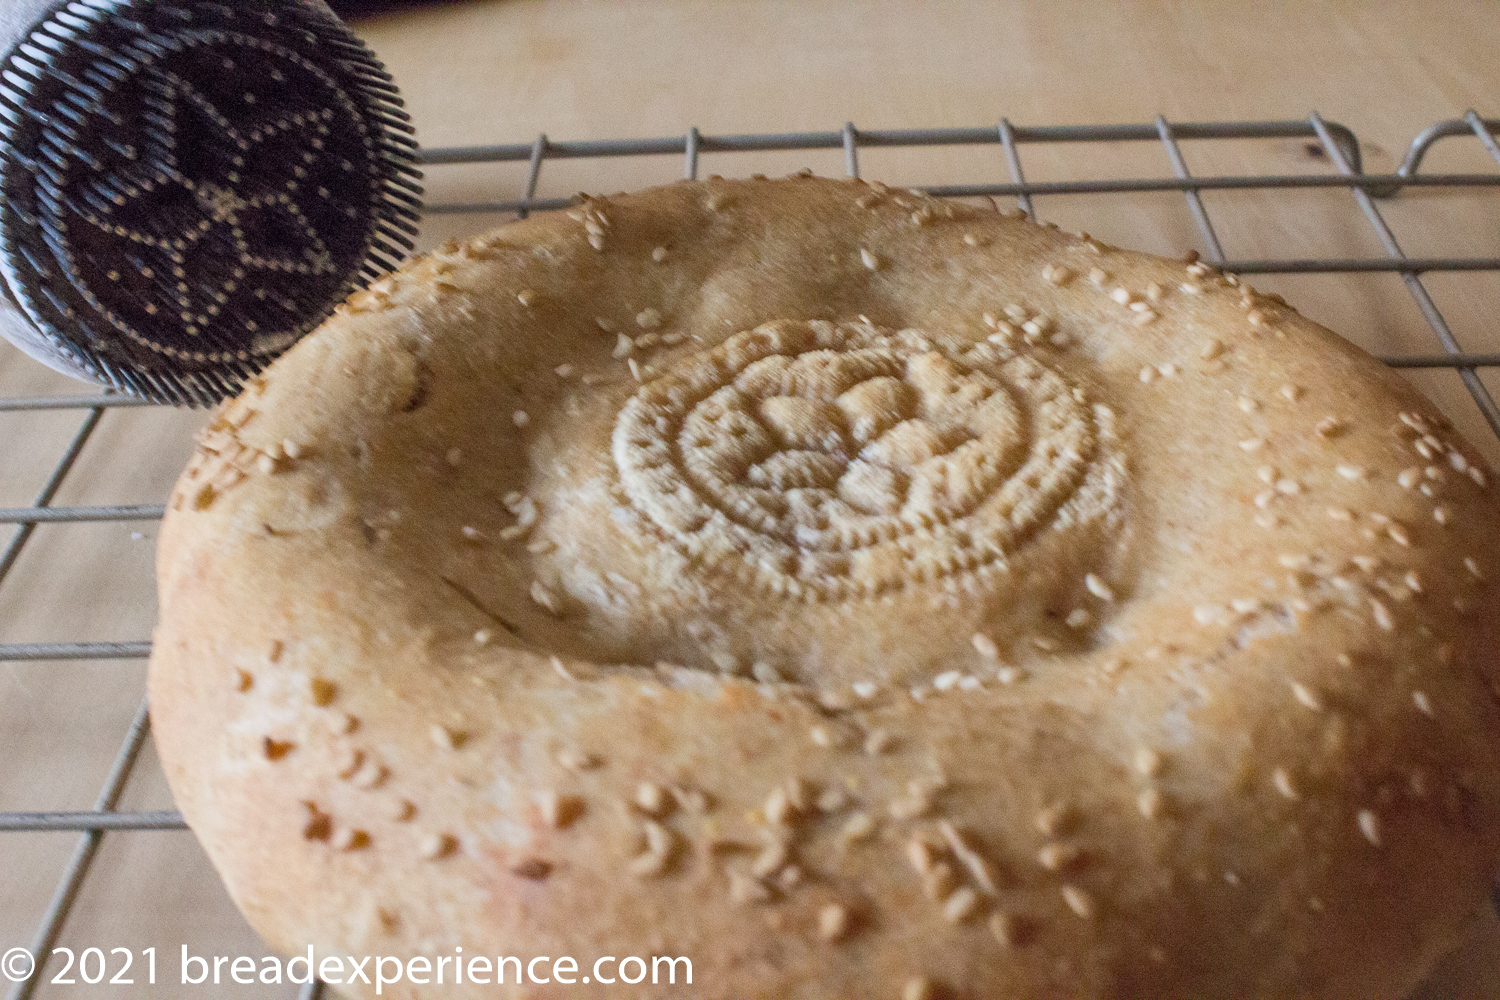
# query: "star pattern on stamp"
[[174, 217]]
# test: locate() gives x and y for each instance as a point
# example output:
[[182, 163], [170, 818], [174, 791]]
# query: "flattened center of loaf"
[[818, 460]]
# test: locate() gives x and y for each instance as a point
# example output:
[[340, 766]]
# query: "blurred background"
[[505, 71]]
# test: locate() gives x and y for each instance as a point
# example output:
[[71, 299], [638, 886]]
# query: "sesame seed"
[[1098, 587], [1306, 696], [869, 259], [1010, 675], [745, 889], [1252, 444], [558, 811], [1167, 370], [832, 799], [482, 637], [1472, 565], [292, 449], [978, 868], [266, 464], [920, 855], [1291, 392], [1057, 856], [1078, 900], [985, 646], [1147, 373], [635, 369], [1079, 618], [525, 296], [877, 742], [1145, 318], [1211, 349], [1006, 929], [961, 905], [652, 799], [544, 597], [660, 844], [438, 845], [446, 738], [1057, 274], [1209, 614], [371, 775], [350, 839], [946, 680], [1340, 513], [1148, 761], [865, 689], [765, 673], [1398, 534], [770, 859], [1054, 819], [916, 802], [577, 760], [1369, 825], [778, 808], [1248, 405], [520, 418], [833, 922], [917, 989], [1381, 614], [563, 371], [1149, 802], [1289, 487], [1424, 705], [1121, 295], [648, 319], [1351, 472], [659, 254], [623, 346], [1440, 515]]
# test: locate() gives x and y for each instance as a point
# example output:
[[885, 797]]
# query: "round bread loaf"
[[859, 594]]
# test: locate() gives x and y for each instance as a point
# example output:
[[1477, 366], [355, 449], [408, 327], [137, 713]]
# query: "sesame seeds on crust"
[[1037, 529]]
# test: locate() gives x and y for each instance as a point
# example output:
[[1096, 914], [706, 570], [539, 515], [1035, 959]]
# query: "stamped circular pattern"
[[823, 460]]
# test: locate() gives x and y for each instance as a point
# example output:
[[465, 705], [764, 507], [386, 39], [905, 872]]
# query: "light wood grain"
[[505, 70]]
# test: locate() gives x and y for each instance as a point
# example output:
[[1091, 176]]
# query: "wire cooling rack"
[[1331, 142]]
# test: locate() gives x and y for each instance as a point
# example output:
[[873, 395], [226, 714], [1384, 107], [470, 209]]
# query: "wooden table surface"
[[502, 71]]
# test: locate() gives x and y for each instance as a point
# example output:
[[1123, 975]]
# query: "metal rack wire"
[[1337, 143]]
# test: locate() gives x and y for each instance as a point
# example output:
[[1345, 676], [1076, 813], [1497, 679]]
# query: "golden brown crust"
[[1131, 635]]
